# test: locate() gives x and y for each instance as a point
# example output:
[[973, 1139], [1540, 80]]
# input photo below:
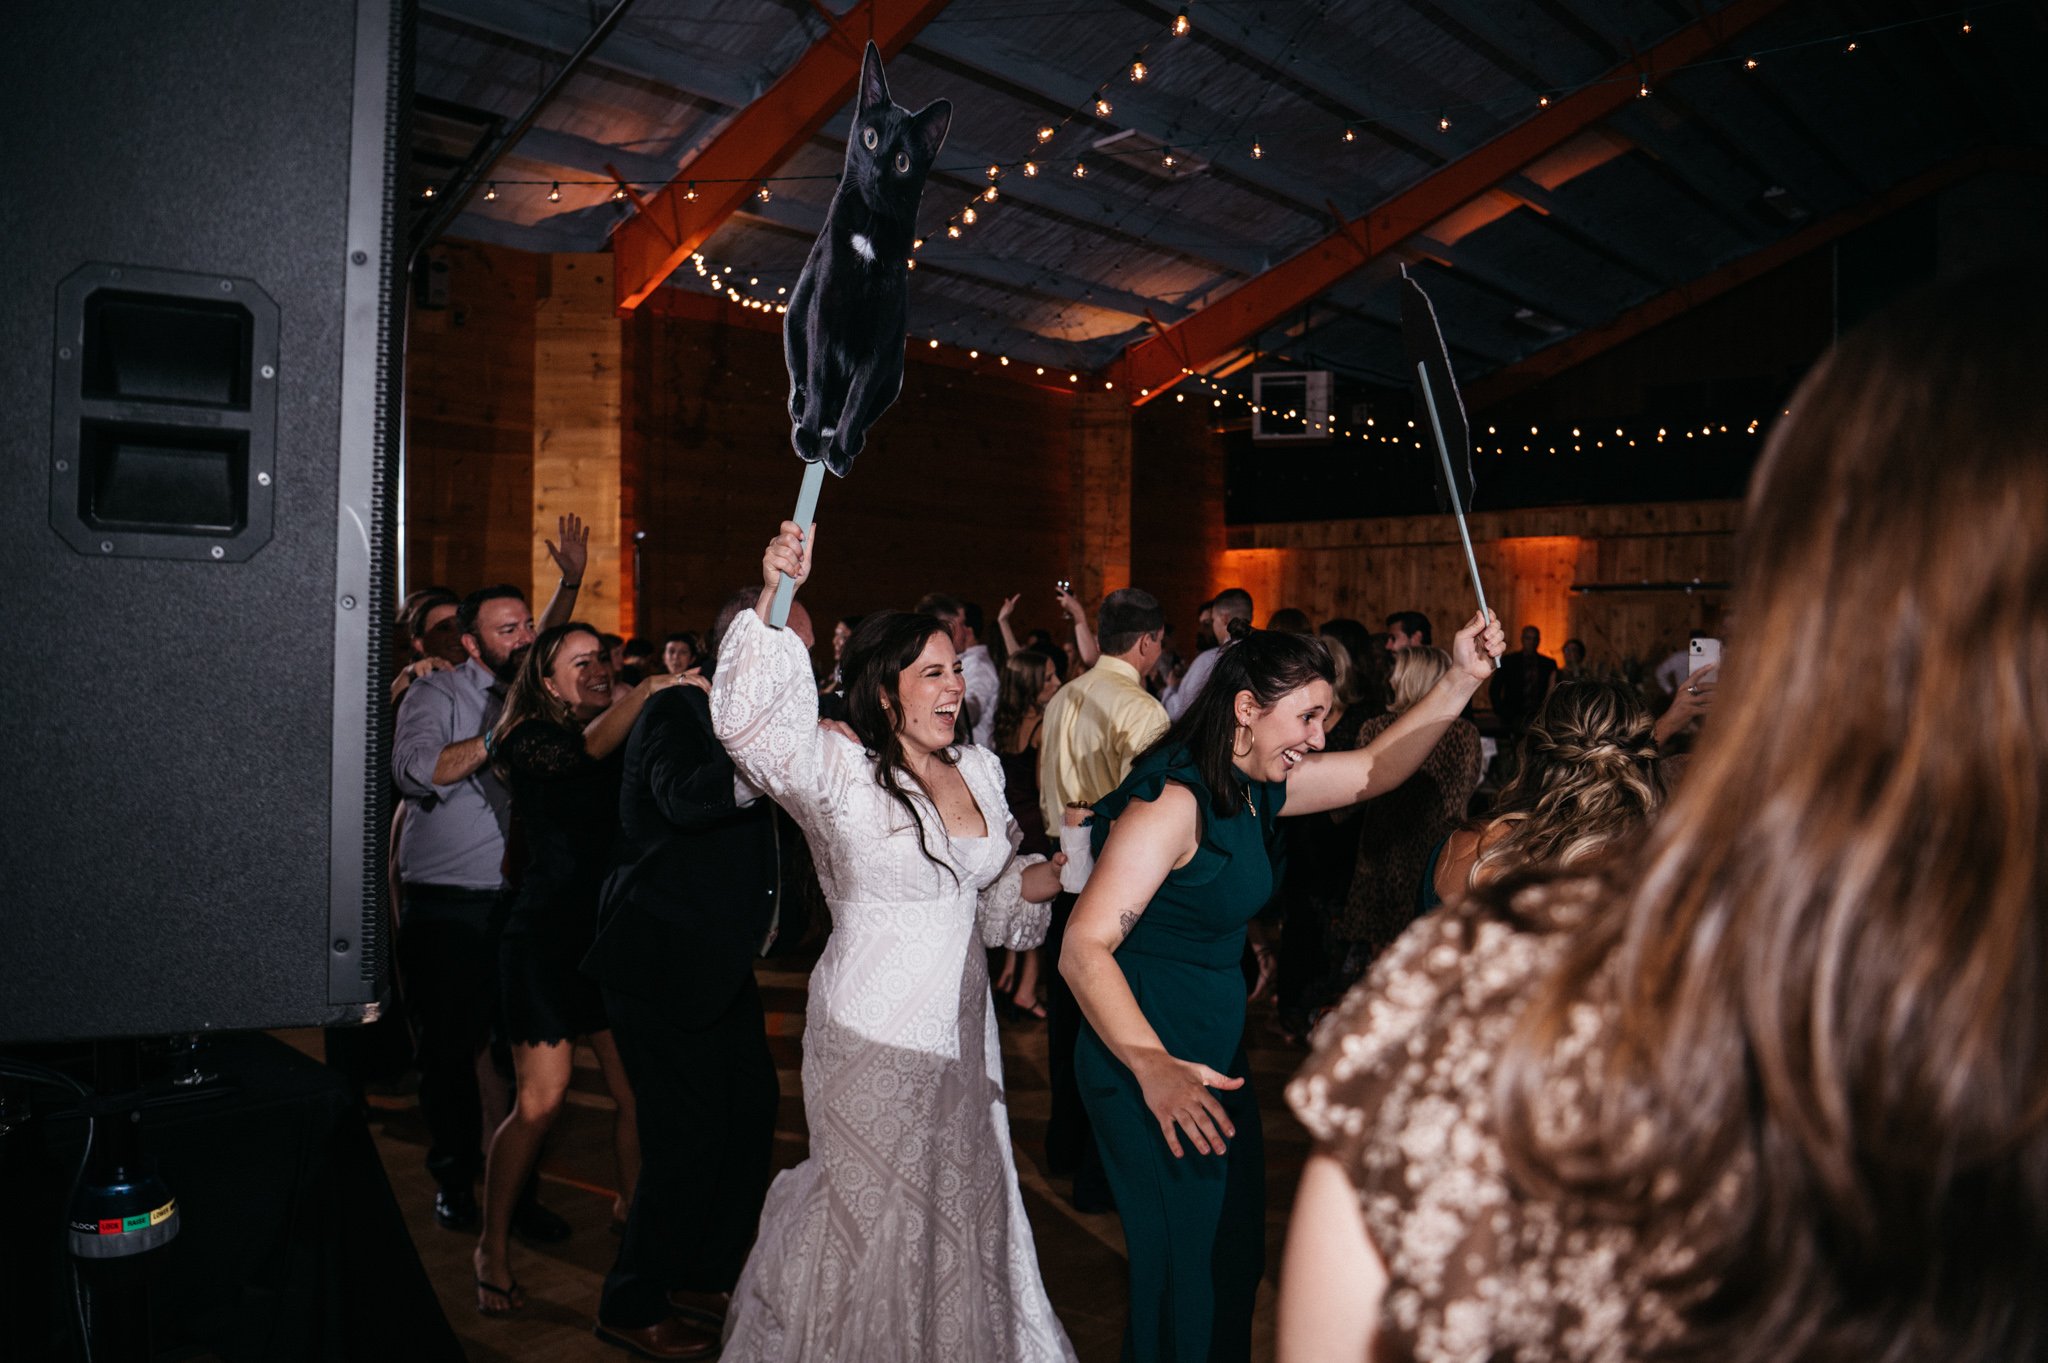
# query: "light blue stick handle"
[[1443, 451], [806, 511]]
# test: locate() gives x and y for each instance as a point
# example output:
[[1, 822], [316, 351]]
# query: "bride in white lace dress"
[[903, 1236]]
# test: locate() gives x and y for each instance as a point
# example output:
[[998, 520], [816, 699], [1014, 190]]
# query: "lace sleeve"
[[1004, 916], [764, 709]]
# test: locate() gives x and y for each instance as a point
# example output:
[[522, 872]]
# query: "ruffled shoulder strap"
[[1147, 779]]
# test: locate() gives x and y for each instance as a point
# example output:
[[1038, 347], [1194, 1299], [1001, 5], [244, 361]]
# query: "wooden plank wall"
[[576, 418], [965, 485], [1529, 560], [470, 389]]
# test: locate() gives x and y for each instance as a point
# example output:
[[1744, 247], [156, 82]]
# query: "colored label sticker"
[[135, 1222], [163, 1213], [110, 1226]]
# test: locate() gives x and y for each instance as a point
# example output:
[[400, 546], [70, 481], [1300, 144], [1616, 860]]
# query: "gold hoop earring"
[[1236, 751]]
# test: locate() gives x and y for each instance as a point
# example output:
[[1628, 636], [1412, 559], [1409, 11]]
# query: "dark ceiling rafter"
[[541, 28], [1144, 114], [1475, 30], [1151, 366], [1575, 350]]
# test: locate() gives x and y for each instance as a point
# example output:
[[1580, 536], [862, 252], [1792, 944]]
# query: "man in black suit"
[[692, 902]]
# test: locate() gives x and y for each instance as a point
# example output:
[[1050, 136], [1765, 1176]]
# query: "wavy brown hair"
[[1587, 780], [528, 696], [1827, 967], [1023, 678], [883, 644]]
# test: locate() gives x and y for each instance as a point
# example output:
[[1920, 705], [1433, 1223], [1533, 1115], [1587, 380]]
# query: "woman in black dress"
[[558, 746]]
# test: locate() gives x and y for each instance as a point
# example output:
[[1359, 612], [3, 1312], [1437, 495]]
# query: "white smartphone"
[[1705, 653]]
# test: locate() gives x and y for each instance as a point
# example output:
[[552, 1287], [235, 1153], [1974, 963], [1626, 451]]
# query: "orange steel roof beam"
[[1154, 364], [1553, 360], [648, 247]]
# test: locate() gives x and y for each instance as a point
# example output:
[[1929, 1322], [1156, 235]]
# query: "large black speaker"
[[198, 358]]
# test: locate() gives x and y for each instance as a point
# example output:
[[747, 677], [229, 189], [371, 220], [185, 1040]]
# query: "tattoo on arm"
[[1125, 921]]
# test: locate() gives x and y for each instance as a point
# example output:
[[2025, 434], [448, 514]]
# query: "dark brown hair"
[[1264, 662], [883, 645], [1827, 965], [1023, 678]]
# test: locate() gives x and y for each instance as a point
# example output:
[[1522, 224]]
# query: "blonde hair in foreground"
[[1415, 671], [1828, 962]]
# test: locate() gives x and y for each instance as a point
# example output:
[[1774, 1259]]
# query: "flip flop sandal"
[[510, 1296]]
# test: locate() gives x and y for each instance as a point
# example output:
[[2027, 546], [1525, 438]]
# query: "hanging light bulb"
[[1181, 24], [1443, 123], [967, 217], [1002, 359], [1169, 160], [492, 192], [989, 195], [691, 193], [555, 192], [618, 193], [1257, 150], [1030, 168], [1643, 88], [427, 193], [993, 172], [1138, 71], [762, 193], [1103, 108], [1080, 171], [1749, 63], [1045, 132], [918, 244], [953, 230], [1850, 48], [1351, 134], [1543, 101]]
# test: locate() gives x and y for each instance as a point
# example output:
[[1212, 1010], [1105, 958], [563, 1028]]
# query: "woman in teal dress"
[[1187, 850]]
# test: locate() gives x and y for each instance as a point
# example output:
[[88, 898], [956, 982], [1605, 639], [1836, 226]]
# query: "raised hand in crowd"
[[1690, 702], [1009, 608], [571, 556], [1084, 632]]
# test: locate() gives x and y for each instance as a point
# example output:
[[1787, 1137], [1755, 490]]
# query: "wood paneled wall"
[[1529, 561], [970, 484], [470, 391], [576, 416], [974, 483]]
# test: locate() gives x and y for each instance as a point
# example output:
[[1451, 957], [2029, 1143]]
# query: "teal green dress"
[[1195, 1227]]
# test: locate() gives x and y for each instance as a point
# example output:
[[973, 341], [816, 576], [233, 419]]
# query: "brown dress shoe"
[[671, 1338], [701, 1308]]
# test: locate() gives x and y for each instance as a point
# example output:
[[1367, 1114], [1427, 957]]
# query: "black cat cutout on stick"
[[848, 315]]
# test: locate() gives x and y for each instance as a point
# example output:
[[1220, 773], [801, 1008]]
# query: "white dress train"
[[902, 1238]]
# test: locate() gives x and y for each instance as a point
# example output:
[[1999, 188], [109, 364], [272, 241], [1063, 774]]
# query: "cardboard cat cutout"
[[843, 335]]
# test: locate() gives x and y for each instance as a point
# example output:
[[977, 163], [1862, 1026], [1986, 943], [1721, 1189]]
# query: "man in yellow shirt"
[[1094, 727]]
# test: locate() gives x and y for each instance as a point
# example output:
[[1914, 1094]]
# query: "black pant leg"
[[706, 1099], [446, 953], [1068, 1138]]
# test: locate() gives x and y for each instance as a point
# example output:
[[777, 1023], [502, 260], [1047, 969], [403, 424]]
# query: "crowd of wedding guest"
[[1645, 1012]]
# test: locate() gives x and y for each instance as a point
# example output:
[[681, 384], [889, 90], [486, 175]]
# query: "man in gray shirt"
[[450, 866]]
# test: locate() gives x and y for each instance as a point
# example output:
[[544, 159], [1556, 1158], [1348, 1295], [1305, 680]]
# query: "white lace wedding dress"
[[902, 1238]]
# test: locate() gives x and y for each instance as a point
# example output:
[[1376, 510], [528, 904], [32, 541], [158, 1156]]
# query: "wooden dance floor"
[[1081, 1256]]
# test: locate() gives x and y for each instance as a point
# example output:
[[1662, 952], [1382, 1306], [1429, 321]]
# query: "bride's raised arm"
[[764, 704]]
